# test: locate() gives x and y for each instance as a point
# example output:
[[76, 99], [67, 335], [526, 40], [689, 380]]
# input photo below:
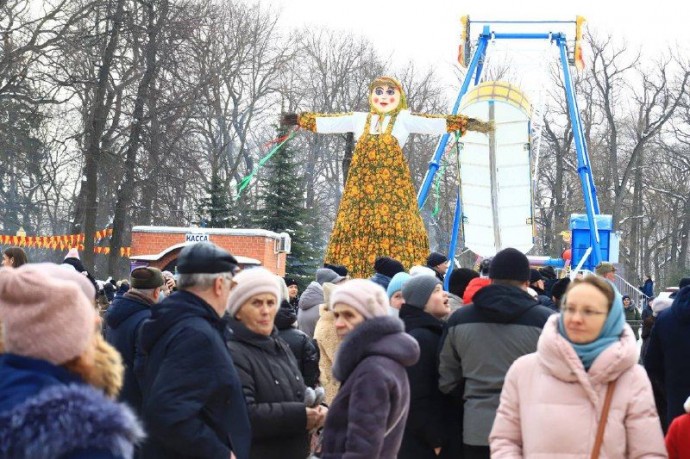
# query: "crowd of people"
[[220, 362]]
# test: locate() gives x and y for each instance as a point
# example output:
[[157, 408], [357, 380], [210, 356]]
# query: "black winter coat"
[[667, 360], [431, 414], [274, 391], [302, 346], [122, 322], [367, 417], [193, 402]]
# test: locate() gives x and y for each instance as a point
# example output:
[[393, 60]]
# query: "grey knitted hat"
[[418, 289]]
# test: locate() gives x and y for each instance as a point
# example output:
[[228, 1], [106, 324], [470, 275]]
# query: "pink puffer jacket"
[[550, 406]]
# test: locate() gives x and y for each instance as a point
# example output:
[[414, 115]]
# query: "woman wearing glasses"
[[553, 400]]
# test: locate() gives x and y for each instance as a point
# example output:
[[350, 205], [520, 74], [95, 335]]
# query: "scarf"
[[610, 333]]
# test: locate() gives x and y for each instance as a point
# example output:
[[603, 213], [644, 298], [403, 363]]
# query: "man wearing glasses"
[[193, 404]]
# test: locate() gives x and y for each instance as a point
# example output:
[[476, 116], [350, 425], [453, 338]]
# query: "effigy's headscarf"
[[388, 81]]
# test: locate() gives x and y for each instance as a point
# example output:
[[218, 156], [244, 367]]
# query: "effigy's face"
[[385, 99]]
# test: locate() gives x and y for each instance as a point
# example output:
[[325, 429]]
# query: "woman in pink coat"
[[552, 400]]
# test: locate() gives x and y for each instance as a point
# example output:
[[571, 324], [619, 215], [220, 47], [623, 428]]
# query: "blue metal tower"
[[474, 71]]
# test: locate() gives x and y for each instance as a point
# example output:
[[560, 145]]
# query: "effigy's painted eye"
[[379, 91], [390, 91]]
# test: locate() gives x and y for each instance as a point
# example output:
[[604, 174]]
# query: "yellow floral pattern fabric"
[[378, 213]]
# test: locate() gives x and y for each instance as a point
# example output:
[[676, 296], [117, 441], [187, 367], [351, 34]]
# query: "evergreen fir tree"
[[215, 210], [284, 211]]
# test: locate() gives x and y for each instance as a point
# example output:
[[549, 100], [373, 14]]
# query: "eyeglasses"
[[586, 313]]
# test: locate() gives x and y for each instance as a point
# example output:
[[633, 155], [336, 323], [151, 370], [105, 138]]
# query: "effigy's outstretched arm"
[[419, 123], [323, 123]]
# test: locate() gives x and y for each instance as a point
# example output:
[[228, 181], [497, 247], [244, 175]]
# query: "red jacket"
[[678, 438], [473, 287]]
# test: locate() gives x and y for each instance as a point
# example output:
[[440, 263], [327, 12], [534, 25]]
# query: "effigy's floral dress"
[[378, 213]]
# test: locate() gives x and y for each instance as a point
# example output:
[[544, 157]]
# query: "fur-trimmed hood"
[[383, 336], [312, 296], [61, 417]]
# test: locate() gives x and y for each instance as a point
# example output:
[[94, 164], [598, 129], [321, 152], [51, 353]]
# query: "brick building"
[[159, 246]]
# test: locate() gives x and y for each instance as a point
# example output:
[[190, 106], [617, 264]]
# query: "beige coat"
[[325, 336], [550, 406]]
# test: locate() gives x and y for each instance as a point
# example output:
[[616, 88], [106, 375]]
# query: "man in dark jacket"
[[122, 322], [668, 354], [438, 263], [193, 405], [536, 282], [482, 342], [302, 346]]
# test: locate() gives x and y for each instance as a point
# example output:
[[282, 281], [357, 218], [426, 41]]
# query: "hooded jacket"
[[668, 354], [482, 342], [678, 437], [544, 389], [302, 347], [48, 412], [193, 401], [274, 391], [367, 417], [122, 322], [308, 313]]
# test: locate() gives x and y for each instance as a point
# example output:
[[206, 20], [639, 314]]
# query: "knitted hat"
[[289, 281], [73, 253], [418, 289], [59, 272], [459, 279], [396, 283], [548, 272], [388, 266], [421, 271], [284, 293], [368, 298], [327, 275], [510, 264], [434, 259], [559, 288], [535, 276], [249, 283], [340, 269], [45, 316], [146, 278]]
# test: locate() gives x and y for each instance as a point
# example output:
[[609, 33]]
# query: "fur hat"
[[249, 283], [368, 298], [397, 282], [388, 266], [418, 289], [146, 278], [327, 275], [510, 264], [289, 281], [46, 313], [434, 259]]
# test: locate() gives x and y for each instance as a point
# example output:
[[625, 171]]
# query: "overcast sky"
[[427, 31]]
